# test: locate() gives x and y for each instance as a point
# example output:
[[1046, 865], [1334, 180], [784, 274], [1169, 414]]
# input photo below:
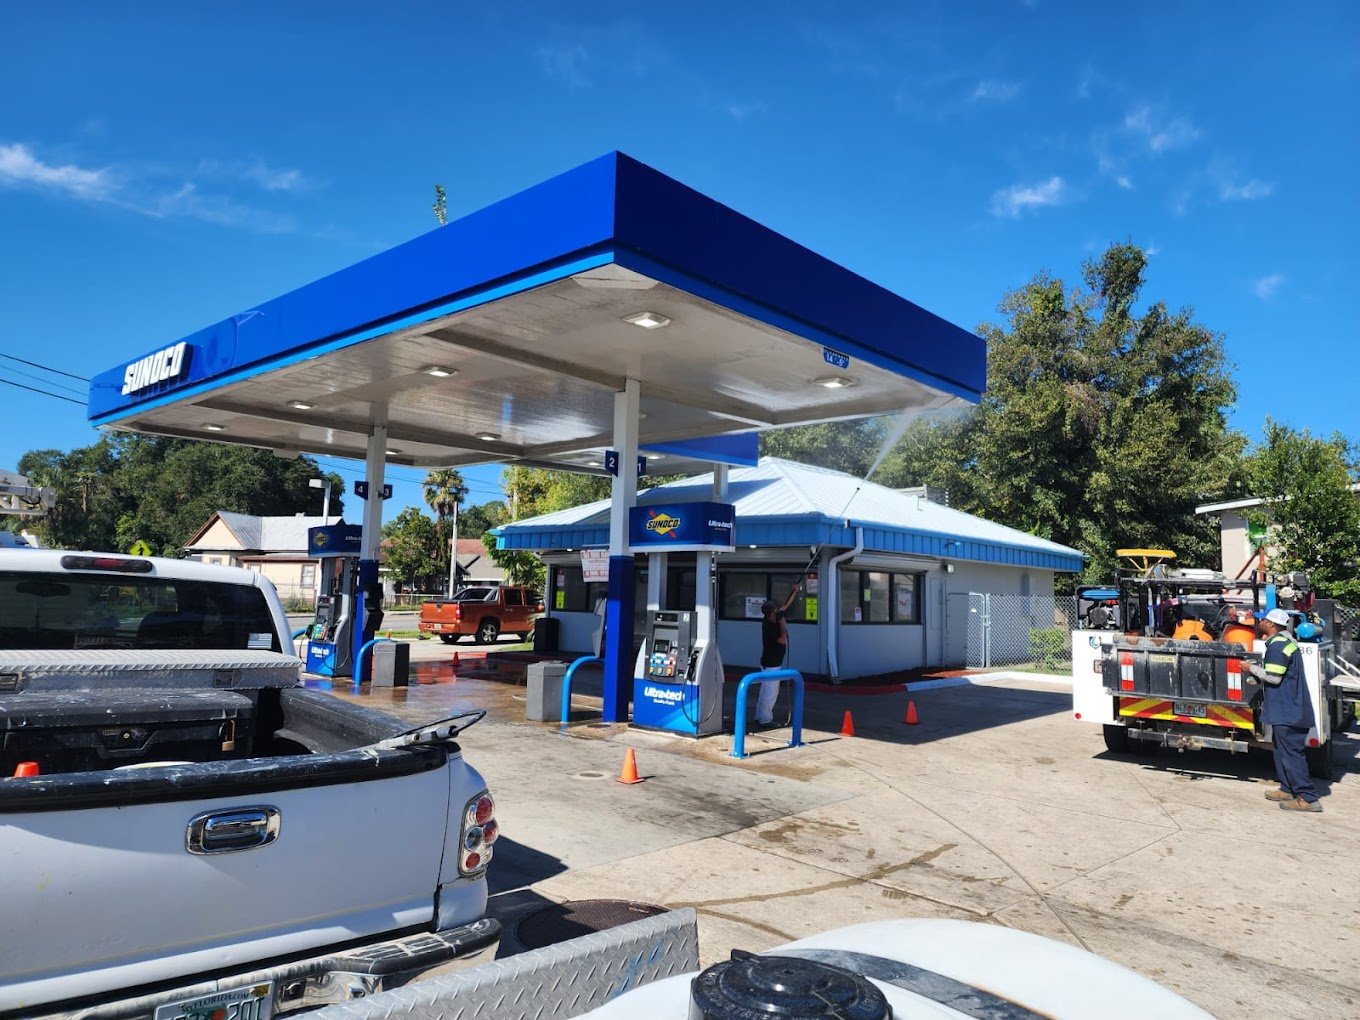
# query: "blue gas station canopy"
[[503, 337]]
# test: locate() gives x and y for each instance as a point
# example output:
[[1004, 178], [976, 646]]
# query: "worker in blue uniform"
[[1286, 707]]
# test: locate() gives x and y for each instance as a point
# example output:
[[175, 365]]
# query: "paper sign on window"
[[753, 604], [810, 609], [560, 600]]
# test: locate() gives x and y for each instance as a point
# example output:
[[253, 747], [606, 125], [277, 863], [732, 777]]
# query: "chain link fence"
[[1021, 630]]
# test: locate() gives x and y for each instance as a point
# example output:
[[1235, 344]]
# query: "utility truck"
[[1162, 658], [188, 831]]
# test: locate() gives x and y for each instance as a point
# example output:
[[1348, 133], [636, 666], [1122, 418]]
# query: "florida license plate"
[[1190, 710], [253, 1002]]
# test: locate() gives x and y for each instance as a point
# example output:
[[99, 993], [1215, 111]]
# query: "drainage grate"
[[563, 921]]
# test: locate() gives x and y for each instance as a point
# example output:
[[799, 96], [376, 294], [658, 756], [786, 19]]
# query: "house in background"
[[274, 546], [475, 566], [1239, 546]]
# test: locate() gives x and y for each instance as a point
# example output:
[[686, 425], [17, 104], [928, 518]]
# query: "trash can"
[[545, 634], [391, 664], [544, 700]]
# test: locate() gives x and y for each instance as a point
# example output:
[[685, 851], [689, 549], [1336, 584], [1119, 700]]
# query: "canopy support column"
[[368, 602], [618, 629]]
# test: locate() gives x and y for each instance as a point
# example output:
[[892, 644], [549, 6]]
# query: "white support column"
[[624, 494], [618, 643], [375, 465], [720, 483]]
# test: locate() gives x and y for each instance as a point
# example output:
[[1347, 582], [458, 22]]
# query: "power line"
[[45, 368], [45, 393], [49, 382]]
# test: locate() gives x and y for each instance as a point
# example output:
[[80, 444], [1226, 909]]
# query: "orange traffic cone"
[[25, 769], [848, 726], [629, 774], [911, 719], [455, 662]]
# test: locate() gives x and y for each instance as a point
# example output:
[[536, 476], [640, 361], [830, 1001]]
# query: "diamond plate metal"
[[553, 983]]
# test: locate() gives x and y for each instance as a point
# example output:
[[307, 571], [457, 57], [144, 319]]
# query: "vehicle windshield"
[[68, 611], [475, 595]]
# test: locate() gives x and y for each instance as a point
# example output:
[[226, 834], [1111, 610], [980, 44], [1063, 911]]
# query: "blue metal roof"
[[612, 210], [783, 503]]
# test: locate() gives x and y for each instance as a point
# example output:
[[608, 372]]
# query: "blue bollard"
[[739, 729], [584, 660]]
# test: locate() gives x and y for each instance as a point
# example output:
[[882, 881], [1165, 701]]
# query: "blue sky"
[[165, 165]]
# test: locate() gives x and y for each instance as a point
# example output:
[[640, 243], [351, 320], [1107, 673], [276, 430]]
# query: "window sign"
[[594, 564], [859, 615], [753, 604], [560, 599], [810, 609], [810, 583]]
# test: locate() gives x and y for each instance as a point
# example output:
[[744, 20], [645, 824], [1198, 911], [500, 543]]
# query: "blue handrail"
[[584, 660], [359, 672], [739, 730], [298, 633]]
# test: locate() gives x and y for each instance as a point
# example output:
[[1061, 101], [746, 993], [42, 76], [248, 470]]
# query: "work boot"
[[1299, 804], [1279, 795]]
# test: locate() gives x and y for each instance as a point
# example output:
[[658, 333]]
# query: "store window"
[[873, 596], [743, 591], [571, 594]]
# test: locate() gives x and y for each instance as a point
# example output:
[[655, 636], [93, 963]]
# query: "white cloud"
[[1230, 191], [1159, 134], [1018, 198], [258, 173], [1152, 250], [18, 165], [188, 201], [1266, 286], [566, 63], [1000, 91], [1124, 182], [740, 111]]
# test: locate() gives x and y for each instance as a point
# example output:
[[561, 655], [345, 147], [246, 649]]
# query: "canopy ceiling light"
[[647, 320], [439, 371], [215, 428], [487, 437], [300, 405], [835, 382]]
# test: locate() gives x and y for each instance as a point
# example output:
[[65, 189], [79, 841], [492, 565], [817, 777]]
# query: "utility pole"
[[453, 554]]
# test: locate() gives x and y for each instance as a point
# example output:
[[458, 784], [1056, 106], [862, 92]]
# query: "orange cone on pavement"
[[455, 662], [629, 774], [911, 719], [25, 769], [848, 726]]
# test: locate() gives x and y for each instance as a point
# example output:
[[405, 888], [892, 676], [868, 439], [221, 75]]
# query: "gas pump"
[[330, 636], [678, 675]]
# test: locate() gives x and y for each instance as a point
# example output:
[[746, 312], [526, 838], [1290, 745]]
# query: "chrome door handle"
[[225, 832]]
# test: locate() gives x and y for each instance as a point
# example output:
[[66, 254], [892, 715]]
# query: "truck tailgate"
[[1188, 681], [117, 899]]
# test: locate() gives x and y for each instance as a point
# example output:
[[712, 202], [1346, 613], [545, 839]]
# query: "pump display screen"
[[660, 646]]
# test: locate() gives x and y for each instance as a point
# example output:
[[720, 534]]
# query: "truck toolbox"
[[1179, 670]]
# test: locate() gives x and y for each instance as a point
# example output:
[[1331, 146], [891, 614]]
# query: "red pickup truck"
[[483, 612]]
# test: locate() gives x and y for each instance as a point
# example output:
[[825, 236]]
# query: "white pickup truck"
[[187, 831]]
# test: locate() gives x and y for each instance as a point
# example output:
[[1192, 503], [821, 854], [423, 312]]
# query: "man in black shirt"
[[774, 635]]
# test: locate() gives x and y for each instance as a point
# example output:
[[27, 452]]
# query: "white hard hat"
[[1278, 617]]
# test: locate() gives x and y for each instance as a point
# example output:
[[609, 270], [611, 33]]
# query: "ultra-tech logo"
[[155, 368], [662, 524], [671, 696]]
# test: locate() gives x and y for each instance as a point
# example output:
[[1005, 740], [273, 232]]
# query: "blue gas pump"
[[330, 636]]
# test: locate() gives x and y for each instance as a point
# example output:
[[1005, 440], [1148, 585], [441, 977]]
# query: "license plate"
[[1190, 709], [254, 1002]]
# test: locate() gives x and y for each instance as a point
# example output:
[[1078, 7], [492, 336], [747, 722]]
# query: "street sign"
[[140, 548]]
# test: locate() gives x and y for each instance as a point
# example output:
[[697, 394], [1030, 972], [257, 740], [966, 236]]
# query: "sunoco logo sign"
[[663, 524], [155, 368]]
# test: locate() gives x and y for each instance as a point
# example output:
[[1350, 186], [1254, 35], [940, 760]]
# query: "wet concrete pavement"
[[997, 807]]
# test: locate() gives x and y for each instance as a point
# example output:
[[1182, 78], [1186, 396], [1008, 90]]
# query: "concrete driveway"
[[997, 807]]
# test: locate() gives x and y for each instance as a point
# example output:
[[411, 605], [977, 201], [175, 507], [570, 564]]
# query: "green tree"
[[849, 446], [479, 519], [1312, 514], [412, 550], [1100, 428], [445, 491], [127, 488]]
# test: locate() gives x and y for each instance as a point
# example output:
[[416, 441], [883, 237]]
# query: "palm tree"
[[445, 491]]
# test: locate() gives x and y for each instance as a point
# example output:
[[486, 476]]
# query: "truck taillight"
[[479, 832]]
